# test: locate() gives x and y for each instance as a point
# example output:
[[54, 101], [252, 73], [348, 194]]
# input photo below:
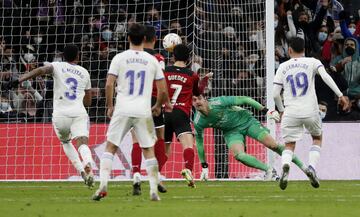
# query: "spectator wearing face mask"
[[348, 30], [309, 29], [322, 109], [106, 34], [352, 68], [325, 42]]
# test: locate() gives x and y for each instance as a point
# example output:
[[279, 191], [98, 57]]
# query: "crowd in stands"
[[228, 38]]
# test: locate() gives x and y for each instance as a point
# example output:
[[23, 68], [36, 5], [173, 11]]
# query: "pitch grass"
[[235, 199]]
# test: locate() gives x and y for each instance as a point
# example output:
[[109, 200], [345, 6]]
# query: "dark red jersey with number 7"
[[182, 85]]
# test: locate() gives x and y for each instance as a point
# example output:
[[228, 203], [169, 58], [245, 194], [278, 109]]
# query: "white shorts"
[[292, 129], [143, 127], [67, 128]]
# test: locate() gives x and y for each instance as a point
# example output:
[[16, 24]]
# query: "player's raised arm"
[[331, 83], [48, 69]]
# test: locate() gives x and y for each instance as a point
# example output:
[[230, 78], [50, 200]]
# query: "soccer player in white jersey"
[[70, 119], [296, 76], [134, 71]]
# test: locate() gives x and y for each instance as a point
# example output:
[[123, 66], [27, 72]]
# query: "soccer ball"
[[170, 41]]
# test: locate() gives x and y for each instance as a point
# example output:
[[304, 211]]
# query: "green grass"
[[235, 199]]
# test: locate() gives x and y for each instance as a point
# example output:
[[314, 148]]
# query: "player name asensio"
[[177, 77], [136, 60]]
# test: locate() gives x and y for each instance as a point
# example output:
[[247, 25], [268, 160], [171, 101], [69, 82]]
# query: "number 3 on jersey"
[[300, 82], [72, 84]]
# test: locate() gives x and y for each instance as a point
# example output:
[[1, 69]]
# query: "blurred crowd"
[[227, 37]]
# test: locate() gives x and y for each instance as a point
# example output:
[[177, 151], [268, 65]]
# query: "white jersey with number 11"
[[135, 71]]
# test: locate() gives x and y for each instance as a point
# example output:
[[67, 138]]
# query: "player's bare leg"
[[187, 141], [105, 170], [160, 153], [152, 170], [286, 158], [251, 161], [136, 155], [85, 153], [314, 156]]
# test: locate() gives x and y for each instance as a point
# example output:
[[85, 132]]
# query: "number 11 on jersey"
[[140, 75]]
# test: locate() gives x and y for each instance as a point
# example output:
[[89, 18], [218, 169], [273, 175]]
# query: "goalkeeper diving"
[[224, 113]]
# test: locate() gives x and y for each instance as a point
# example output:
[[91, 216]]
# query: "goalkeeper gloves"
[[204, 172], [274, 115]]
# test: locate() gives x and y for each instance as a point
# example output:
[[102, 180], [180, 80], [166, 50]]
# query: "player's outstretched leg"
[[251, 161], [269, 142], [136, 155], [105, 170], [286, 158], [280, 148]]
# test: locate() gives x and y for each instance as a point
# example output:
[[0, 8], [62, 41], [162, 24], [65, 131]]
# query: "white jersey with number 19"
[[135, 71], [297, 76], [70, 83]]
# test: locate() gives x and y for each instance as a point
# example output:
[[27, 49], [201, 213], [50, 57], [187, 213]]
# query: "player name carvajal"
[[137, 60], [177, 77], [73, 71]]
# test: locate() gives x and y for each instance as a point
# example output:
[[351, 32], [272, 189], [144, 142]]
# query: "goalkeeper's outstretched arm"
[[243, 100]]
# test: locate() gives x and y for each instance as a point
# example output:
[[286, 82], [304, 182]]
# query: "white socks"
[[314, 155], [105, 169], [286, 157], [85, 154], [73, 156], [152, 170]]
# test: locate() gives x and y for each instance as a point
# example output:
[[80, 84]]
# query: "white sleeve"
[[159, 74], [277, 98], [328, 80], [88, 84], [114, 66], [279, 77]]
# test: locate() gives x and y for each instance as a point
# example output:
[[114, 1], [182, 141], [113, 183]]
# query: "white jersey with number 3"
[[135, 71], [297, 76], [70, 83]]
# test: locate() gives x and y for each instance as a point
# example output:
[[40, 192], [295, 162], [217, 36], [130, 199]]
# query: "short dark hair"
[[150, 33], [297, 44], [136, 33], [181, 52], [70, 52]]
